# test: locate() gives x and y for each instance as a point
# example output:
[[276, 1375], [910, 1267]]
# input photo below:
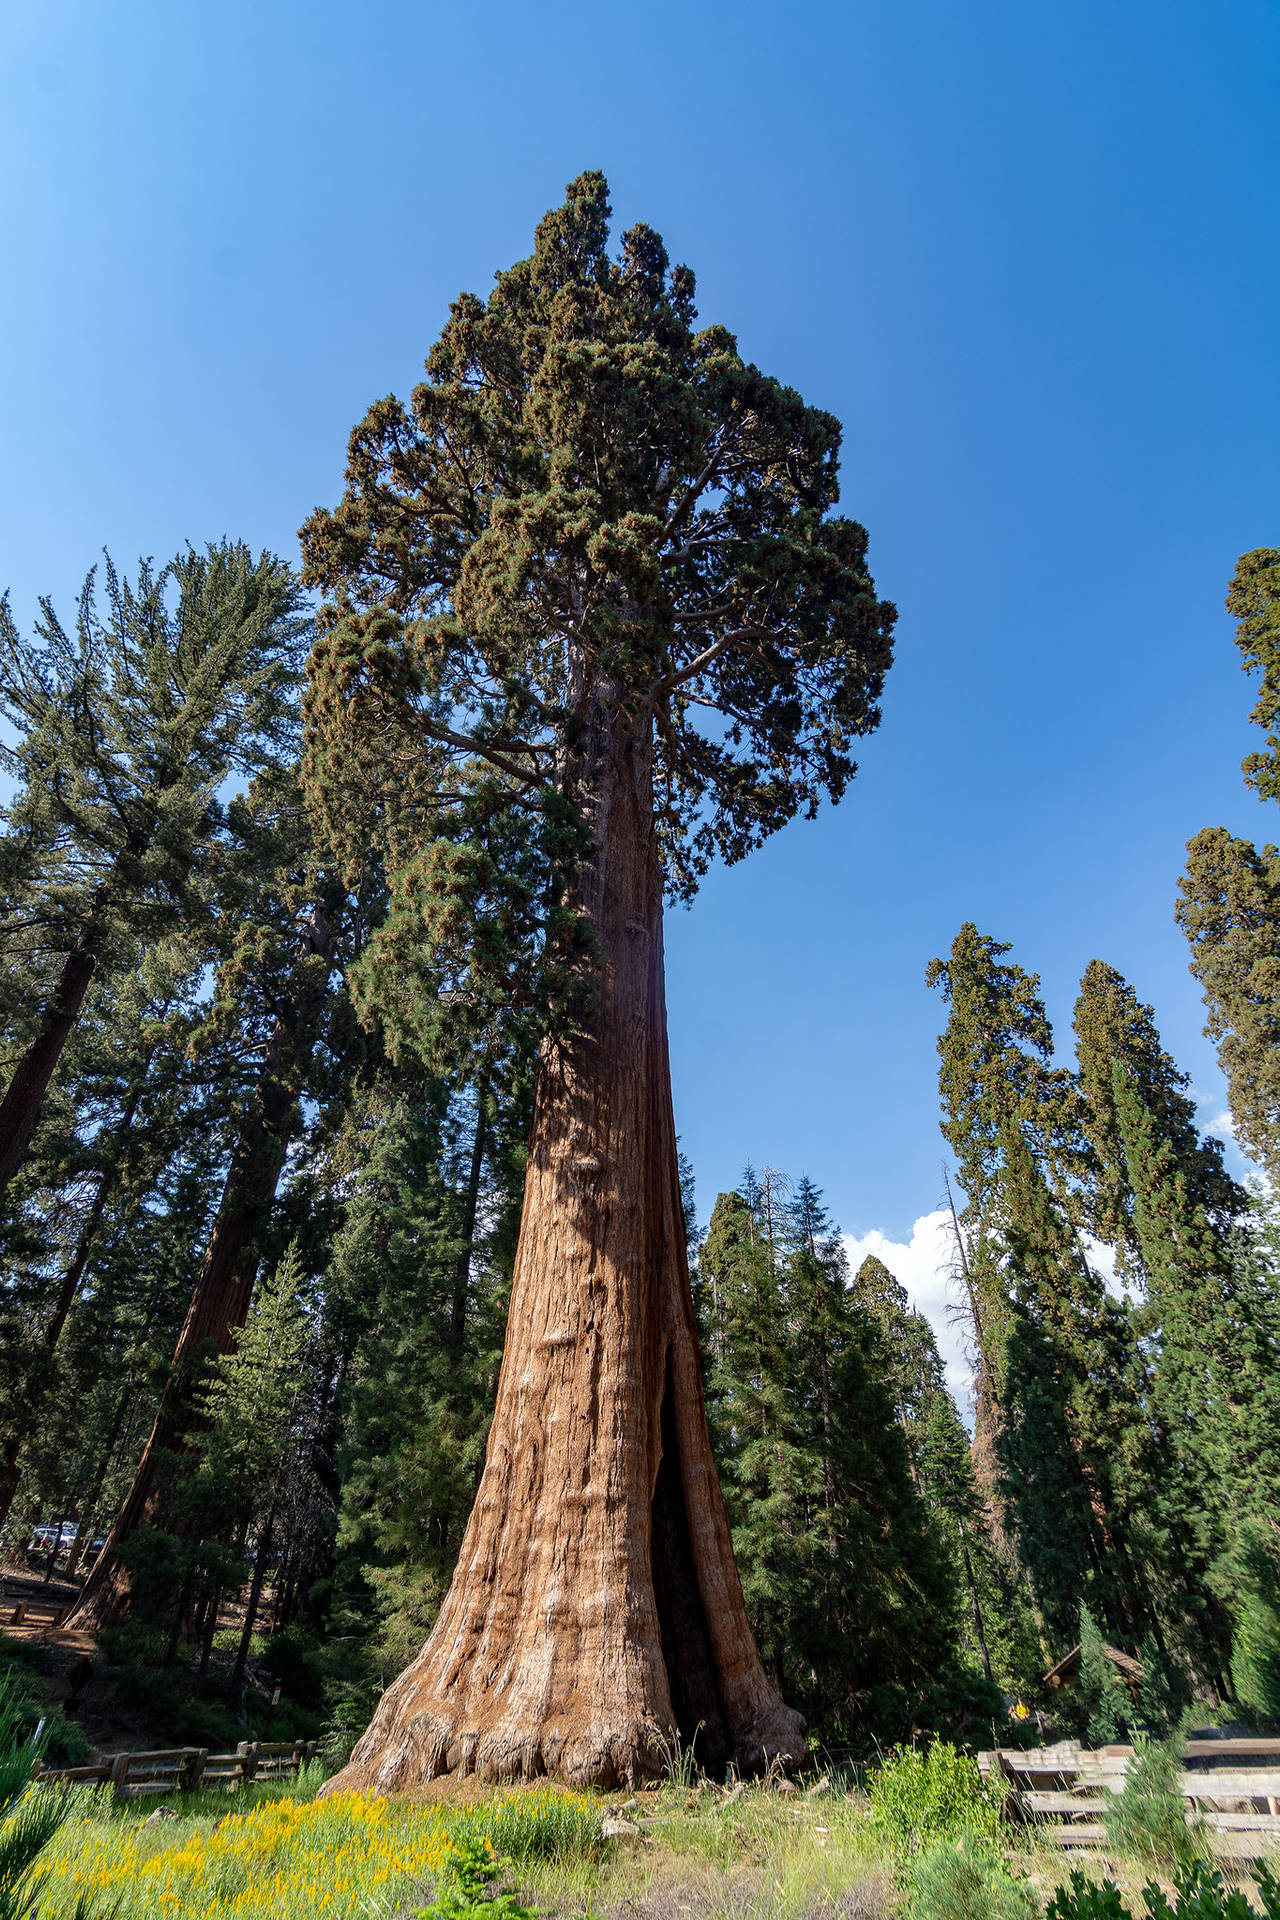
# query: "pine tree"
[[138, 1117], [1230, 893], [125, 731], [1214, 1375], [848, 1587], [996, 1078], [998, 1632], [1254, 599], [419, 1388], [1112, 1026], [260, 1407], [590, 623], [1229, 911], [1065, 1430], [273, 992]]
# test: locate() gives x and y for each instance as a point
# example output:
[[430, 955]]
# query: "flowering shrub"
[[300, 1860]]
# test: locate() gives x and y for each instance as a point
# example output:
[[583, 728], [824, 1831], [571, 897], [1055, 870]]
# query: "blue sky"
[[1027, 254]]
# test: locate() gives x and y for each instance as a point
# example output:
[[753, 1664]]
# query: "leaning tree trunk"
[[595, 1614], [20, 1108], [220, 1300]]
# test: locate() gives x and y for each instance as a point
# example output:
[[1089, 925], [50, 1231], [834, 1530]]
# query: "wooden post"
[[247, 1753], [19, 1614], [119, 1774], [192, 1770]]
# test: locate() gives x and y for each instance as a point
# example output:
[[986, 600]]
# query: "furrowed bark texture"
[[595, 1614]]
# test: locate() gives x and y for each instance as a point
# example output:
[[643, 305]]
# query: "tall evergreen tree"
[[1065, 1429], [1215, 1364], [998, 1631], [1112, 1027], [1229, 911], [1254, 599], [424, 1358], [590, 623], [124, 732], [848, 1586], [139, 1114], [1230, 893], [273, 989]]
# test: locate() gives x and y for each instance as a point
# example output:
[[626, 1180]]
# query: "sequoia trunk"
[[595, 1614]]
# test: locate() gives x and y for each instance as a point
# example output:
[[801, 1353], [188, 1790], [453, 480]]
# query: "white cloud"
[[923, 1266]]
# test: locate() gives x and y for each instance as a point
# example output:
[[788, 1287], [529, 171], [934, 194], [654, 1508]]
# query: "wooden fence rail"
[[1231, 1786], [186, 1769]]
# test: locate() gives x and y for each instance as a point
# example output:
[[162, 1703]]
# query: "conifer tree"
[[420, 1384], [1214, 1377], [1113, 1027], [138, 1116], [996, 1078], [1229, 911], [1066, 1430], [1229, 908], [1254, 599], [998, 1630], [125, 730], [848, 1586], [590, 622], [273, 991], [260, 1408]]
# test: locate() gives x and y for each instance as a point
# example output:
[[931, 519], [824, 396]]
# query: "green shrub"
[[29, 1816], [1101, 1691], [1255, 1660], [472, 1867], [1147, 1820], [62, 1743], [1199, 1895], [921, 1797], [966, 1879]]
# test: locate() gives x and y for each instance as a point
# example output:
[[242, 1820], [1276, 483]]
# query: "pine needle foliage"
[[1229, 910]]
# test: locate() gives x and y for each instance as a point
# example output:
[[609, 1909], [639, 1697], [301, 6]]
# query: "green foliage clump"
[[62, 1742], [472, 1868], [1147, 1820], [1255, 1658], [967, 1879], [1101, 1690], [1199, 1894], [920, 1797], [29, 1816]]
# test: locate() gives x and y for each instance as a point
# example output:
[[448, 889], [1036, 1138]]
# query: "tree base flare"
[[412, 1740]]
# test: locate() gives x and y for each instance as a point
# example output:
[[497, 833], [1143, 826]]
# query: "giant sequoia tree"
[[590, 623]]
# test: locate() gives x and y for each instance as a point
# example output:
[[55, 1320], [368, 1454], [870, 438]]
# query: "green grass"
[[760, 1854]]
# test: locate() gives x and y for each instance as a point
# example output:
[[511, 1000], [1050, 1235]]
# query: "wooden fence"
[[1233, 1786], [186, 1769]]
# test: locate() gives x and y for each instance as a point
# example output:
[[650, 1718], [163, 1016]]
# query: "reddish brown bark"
[[595, 1614], [20, 1108]]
